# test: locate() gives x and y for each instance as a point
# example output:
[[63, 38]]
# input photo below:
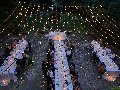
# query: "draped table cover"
[[62, 73], [7, 70]]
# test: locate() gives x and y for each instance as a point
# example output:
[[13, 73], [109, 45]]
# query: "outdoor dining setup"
[[108, 68], [61, 77], [13, 59]]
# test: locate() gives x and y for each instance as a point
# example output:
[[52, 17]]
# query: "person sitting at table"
[[26, 59], [48, 54], [8, 50], [49, 80], [22, 62], [27, 56], [14, 43], [72, 65], [18, 70], [45, 67], [69, 53], [95, 59], [50, 73], [52, 59], [74, 79], [50, 42], [101, 69], [52, 47], [70, 45], [29, 46], [108, 51], [27, 50], [51, 66], [77, 86], [50, 87], [66, 42], [52, 53], [72, 71]]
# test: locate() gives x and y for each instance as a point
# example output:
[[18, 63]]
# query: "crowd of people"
[[25, 61], [74, 76], [49, 69], [21, 63], [7, 50]]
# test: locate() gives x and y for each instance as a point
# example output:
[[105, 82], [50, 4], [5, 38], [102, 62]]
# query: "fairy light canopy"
[[33, 18], [75, 18]]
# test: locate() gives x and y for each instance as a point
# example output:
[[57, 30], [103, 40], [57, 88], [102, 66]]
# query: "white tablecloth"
[[62, 72], [7, 70]]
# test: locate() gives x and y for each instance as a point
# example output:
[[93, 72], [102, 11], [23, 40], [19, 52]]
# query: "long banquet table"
[[8, 68], [112, 70], [62, 73]]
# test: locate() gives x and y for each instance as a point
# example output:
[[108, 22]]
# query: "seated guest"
[[66, 42], [108, 51], [27, 56], [18, 70], [8, 50], [50, 42], [51, 66], [21, 62], [72, 65], [74, 79], [45, 67], [70, 45], [14, 43], [69, 53], [29, 44], [48, 54], [72, 72], [101, 69], [50, 87], [50, 73], [52, 52], [27, 51], [52, 59], [25, 59], [52, 47], [95, 59], [112, 56], [77, 86], [74, 69], [49, 80]]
